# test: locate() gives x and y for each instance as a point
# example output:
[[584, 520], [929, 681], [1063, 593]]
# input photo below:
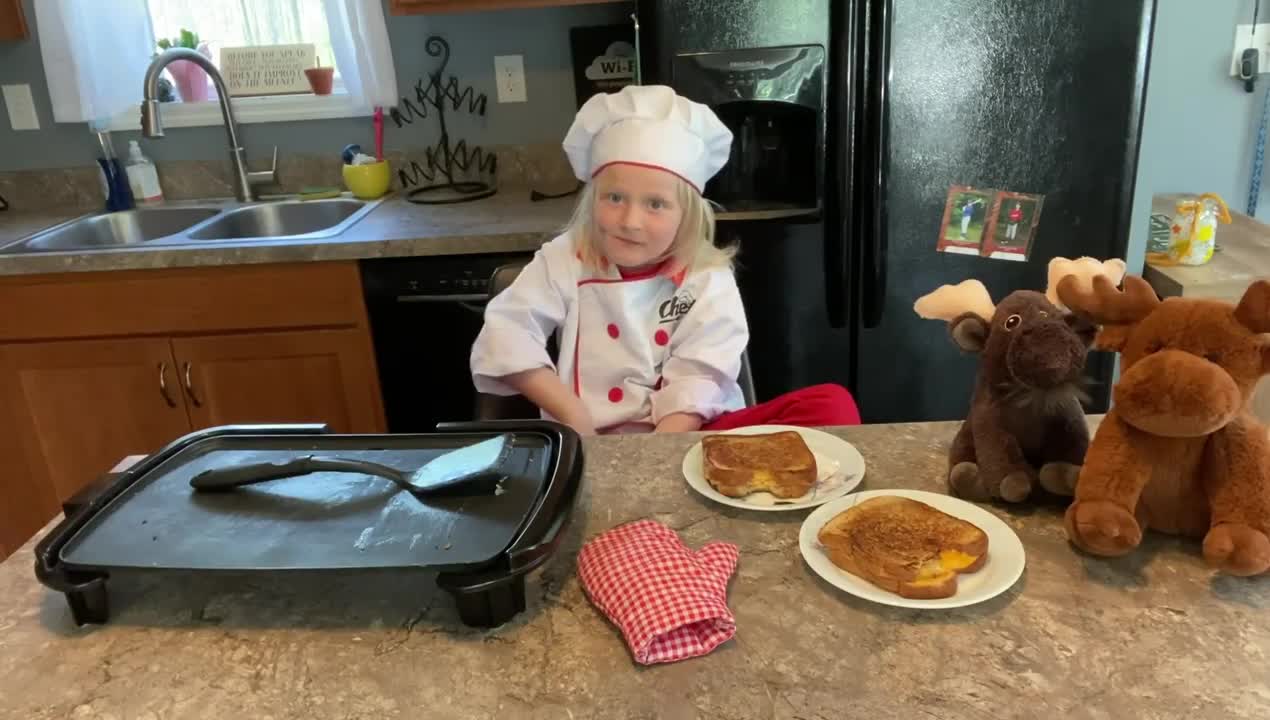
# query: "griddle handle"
[[548, 520], [230, 477]]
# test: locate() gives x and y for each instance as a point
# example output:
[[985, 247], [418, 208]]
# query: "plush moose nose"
[[1046, 353]]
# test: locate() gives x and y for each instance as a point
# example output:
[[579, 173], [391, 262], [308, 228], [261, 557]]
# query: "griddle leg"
[[491, 607], [90, 605]]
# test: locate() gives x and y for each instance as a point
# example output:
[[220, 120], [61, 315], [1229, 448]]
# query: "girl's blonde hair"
[[693, 247]]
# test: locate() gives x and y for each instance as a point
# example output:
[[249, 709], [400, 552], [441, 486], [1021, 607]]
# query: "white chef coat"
[[633, 349]]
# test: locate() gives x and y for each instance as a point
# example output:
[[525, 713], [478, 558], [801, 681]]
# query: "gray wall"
[[541, 35], [1200, 126]]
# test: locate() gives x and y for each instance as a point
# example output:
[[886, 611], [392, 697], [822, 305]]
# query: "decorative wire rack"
[[434, 182]]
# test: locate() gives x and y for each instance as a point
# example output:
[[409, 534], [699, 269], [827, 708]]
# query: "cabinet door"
[[70, 410], [12, 22], [309, 376]]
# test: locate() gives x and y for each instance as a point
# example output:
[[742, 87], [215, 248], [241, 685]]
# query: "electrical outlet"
[[509, 73], [1245, 39], [21, 107]]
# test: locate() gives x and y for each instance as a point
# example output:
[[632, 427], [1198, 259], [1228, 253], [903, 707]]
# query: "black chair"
[[512, 407]]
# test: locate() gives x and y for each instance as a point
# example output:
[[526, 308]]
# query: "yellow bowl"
[[368, 181]]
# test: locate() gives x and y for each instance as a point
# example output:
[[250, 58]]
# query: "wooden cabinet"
[[12, 22], [420, 7], [78, 406], [97, 366], [295, 377]]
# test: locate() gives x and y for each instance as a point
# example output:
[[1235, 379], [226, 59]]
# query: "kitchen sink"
[[312, 219], [130, 227], [199, 223]]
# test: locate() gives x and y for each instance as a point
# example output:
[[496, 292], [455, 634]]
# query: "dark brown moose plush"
[[1026, 426]]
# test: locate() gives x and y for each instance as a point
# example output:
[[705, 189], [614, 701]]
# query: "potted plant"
[[191, 80]]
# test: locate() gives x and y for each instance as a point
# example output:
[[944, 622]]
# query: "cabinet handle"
[[189, 387], [163, 384]]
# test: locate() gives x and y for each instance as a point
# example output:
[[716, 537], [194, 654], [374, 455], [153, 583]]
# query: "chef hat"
[[652, 126]]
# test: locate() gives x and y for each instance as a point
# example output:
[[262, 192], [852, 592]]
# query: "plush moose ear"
[[1253, 312], [969, 331]]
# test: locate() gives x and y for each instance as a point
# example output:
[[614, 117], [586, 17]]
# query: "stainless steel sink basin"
[[200, 222], [313, 219], [131, 227]]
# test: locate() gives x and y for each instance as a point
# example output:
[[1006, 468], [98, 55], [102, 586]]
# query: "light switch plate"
[[21, 107], [509, 74], [1244, 39]]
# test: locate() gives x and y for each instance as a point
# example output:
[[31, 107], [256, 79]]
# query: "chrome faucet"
[[152, 123]]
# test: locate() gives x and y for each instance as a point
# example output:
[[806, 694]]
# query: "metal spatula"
[[472, 470]]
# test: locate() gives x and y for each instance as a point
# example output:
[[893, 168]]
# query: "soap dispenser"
[[143, 177]]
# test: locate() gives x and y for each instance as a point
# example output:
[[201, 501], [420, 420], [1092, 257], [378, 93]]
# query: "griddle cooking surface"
[[318, 521]]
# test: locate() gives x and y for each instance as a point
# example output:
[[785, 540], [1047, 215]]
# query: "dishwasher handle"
[[451, 298]]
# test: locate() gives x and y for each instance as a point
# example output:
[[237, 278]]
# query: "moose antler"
[[1085, 268], [948, 302], [1104, 304]]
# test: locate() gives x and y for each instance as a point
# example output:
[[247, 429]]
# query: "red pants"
[[816, 406]]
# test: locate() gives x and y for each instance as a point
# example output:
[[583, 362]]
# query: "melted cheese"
[[938, 570], [956, 559]]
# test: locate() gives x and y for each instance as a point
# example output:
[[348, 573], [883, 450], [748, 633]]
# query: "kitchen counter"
[[1153, 635], [506, 222]]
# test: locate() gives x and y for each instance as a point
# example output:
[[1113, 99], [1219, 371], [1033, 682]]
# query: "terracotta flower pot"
[[320, 79]]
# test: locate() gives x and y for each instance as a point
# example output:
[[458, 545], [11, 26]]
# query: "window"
[[96, 53], [239, 23]]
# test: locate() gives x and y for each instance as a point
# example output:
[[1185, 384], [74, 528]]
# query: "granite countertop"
[[506, 222], [1153, 635]]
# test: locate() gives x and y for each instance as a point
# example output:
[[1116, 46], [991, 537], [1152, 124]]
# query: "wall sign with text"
[[267, 69]]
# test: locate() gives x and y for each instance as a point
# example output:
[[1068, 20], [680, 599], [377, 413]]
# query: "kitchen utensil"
[[147, 521], [474, 470], [379, 132], [349, 152]]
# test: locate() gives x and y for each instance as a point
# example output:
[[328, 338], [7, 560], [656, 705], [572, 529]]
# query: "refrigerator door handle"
[[846, 49], [878, 126]]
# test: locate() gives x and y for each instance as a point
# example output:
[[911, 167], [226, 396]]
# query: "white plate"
[[840, 469], [1004, 565]]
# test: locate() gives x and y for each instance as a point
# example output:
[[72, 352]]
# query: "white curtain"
[[95, 56], [359, 38]]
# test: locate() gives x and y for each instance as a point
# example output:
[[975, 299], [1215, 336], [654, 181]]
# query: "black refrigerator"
[[914, 97]]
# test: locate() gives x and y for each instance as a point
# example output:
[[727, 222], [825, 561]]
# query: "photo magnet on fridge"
[[1012, 226], [965, 216]]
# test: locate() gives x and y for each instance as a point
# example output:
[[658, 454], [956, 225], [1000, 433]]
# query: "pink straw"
[[379, 133]]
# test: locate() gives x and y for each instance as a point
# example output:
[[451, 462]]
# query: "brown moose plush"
[[1179, 451], [1026, 426]]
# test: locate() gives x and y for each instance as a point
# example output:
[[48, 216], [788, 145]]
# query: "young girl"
[[643, 305]]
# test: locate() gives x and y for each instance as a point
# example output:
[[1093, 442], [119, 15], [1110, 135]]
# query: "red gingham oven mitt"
[[669, 602]]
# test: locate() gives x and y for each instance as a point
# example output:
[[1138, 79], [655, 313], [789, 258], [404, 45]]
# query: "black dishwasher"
[[425, 313]]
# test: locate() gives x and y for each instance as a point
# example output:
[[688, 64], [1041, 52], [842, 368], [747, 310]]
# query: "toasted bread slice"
[[904, 546], [779, 463]]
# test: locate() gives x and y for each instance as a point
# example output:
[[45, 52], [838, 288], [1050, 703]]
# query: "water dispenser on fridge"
[[773, 101]]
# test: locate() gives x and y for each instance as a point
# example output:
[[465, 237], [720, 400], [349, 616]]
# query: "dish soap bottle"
[[143, 177]]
